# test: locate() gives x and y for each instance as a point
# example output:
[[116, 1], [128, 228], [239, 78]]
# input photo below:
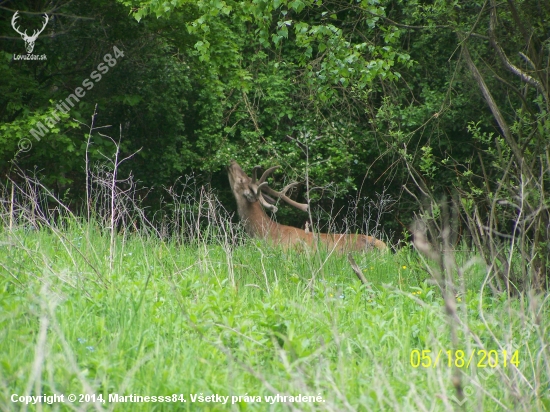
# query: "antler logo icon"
[[29, 40]]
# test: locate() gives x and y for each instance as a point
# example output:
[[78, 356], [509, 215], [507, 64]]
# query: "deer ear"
[[249, 195], [269, 199]]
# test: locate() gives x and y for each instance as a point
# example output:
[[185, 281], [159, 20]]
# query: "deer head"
[[29, 40], [252, 190]]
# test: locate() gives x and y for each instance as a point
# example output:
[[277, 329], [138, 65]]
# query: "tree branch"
[[507, 63], [491, 102]]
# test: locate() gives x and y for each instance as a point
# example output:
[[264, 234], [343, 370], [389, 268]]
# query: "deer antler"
[[281, 195], [266, 204], [254, 177], [266, 174], [263, 187]]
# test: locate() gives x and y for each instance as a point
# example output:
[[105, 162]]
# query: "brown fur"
[[258, 224]]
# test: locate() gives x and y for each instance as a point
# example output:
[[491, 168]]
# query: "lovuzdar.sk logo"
[[29, 39]]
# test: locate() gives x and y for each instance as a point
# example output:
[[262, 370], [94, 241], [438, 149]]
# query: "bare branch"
[[357, 270], [491, 102], [504, 58]]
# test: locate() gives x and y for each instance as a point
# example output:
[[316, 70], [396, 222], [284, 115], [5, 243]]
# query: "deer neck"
[[256, 221]]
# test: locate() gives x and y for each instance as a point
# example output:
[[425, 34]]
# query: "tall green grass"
[[160, 318]]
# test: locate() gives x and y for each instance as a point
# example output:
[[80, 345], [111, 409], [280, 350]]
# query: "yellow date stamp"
[[482, 358]]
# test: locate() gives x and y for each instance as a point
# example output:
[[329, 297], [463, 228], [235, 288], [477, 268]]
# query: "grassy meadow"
[[82, 312]]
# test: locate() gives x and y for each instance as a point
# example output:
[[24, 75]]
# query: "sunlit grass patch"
[[250, 319]]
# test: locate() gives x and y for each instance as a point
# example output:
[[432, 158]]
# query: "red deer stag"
[[250, 199]]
